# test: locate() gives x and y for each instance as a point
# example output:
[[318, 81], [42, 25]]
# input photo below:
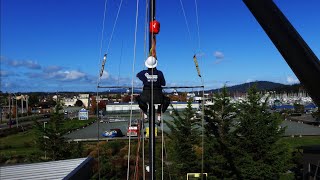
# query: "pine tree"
[[184, 138], [219, 156], [259, 153], [50, 137]]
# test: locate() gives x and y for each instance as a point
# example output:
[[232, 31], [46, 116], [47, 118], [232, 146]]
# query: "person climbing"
[[152, 76]]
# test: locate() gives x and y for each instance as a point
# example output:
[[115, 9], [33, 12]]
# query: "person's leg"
[[166, 103], [143, 106]]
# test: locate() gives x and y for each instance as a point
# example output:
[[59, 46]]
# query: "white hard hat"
[[151, 62]]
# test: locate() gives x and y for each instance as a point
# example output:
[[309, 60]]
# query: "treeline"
[[241, 141], [235, 141]]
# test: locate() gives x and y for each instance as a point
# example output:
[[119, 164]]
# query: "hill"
[[262, 86]]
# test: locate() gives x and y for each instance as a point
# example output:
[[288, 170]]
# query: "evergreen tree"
[[259, 153], [50, 137], [184, 138], [219, 156]]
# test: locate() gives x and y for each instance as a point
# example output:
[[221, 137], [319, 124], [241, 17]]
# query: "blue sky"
[[54, 45]]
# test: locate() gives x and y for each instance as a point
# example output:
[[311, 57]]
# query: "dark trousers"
[[158, 98]]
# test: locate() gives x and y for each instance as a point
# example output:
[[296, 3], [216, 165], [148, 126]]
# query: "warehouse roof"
[[63, 169]]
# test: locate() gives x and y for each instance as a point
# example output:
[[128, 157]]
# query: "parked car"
[[12, 122], [133, 130], [113, 133]]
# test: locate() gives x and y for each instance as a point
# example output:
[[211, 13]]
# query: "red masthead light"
[[154, 27]]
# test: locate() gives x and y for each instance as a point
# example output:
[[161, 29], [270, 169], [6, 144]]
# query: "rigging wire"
[[202, 81], [120, 63], [98, 82], [162, 144], [187, 24], [132, 83], [195, 2], [114, 26], [145, 52]]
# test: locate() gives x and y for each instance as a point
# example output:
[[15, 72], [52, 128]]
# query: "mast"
[[152, 15]]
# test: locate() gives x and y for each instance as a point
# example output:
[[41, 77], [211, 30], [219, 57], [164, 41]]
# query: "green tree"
[[219, 149], [259, 152], [50, 138], [33, 99], [184, 138]]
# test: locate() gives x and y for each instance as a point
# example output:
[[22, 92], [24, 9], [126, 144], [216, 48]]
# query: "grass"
[[22, 139], [75, 124], [301, 141], [23, 144], [17, 146]]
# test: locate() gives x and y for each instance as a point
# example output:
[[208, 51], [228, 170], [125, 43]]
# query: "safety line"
[[132, 83]]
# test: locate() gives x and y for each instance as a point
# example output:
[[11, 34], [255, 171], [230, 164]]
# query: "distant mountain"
[[262, 86], [122, 90]]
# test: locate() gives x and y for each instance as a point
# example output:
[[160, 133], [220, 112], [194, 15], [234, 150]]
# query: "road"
[[25, 123], [92, 132]]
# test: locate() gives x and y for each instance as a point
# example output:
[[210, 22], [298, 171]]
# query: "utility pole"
[[152, 139], [16, 110], [10, 110]]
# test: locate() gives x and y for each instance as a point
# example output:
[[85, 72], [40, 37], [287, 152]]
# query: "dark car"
[[113, 133], [12, 122]]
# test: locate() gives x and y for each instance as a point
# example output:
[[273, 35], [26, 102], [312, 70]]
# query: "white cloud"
[[218, 55], [292, 80], [50, 69], [73, 75], [24, 63]]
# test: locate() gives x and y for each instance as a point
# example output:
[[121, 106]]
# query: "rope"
[[145, 52], [202, 135], [136, 173], [120, 63], [202, 121], [167, 159], [195, 2], [133, 66], [98, 81], [162, 144], [143, 164], [114, 26], [185, 18]]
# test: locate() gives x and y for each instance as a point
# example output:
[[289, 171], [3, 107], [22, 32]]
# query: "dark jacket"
[[147, 76]]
